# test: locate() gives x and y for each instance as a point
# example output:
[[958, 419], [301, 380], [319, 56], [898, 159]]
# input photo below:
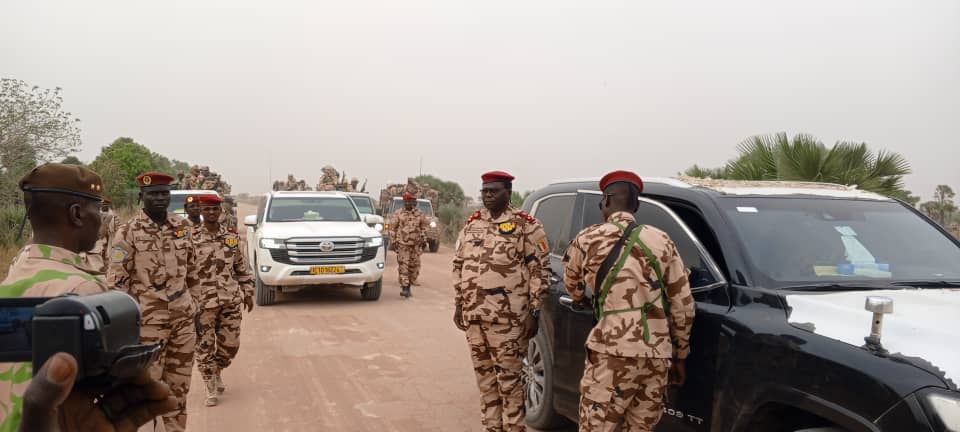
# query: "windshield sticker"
[[747, 210], [857, 253], [845, 231]]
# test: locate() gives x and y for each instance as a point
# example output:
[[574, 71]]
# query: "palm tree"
[[804, 158]]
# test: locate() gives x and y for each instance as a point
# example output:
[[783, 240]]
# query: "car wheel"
[[371, 291], [538, 379], [266, 294], [434, 246]]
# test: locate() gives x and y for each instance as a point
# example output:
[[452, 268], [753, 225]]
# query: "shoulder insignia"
[[118, 254], [524, 215], [231, 241], [474, 217], [542, 246]]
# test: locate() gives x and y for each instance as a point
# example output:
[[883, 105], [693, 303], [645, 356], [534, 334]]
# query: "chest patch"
[[181, 233], [507, 227]]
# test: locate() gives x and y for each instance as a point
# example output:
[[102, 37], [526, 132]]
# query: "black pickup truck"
[[781, 274]]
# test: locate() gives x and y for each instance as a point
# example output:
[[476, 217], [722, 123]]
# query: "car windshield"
[[795, 241], [364, 204], [328, 209], [424, 206]]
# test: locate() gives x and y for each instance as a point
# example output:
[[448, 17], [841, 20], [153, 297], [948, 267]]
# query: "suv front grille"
[[307, 251]]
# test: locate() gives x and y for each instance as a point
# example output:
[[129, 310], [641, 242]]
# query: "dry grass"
[[6, 257]]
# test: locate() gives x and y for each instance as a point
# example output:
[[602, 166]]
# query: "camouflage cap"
[[66, 179]]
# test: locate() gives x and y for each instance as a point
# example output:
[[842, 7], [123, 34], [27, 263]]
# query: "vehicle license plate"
[[319, 270]]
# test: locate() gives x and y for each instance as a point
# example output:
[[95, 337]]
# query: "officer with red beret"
[[501, 272], [643, 307]]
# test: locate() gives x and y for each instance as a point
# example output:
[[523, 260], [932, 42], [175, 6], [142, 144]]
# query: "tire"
[[371, 291], [434, 246], [266, 294], [538, 377]]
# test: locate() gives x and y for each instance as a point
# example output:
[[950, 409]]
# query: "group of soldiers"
[[200, 177], [331, 180], [190, 278], [643, 306], [412, 187]]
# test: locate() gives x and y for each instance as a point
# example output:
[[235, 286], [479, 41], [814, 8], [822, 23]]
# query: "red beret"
[[148, 179], [621, 176], [408, 196], [209, 199], [496, 176]]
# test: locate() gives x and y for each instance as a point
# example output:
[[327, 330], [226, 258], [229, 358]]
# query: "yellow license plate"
[[319, 270]]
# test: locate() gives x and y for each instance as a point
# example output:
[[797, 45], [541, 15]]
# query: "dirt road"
[[326, 360]]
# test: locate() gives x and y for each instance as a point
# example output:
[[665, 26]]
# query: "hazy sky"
[[543, 89]]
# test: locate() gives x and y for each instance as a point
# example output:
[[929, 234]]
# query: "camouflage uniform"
[[500, 274], [226, 282], [630, 350], [97, 257], [408, 229], [39, 271], [157, 266]]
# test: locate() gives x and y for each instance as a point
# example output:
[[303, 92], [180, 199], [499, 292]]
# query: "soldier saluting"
[[153, 259], [500, 275], [644, 308]]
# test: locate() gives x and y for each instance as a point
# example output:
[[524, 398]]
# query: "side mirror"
[[367, 218], [250, 221]]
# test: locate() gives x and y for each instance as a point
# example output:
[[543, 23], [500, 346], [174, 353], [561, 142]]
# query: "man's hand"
[[458, 319], [678, 372], [531, 326], [51, 404], [248, 302]]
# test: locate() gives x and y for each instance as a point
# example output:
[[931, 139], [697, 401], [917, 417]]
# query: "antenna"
[[421, 166]]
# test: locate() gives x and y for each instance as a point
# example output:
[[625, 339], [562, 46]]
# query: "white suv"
[[302, 239]]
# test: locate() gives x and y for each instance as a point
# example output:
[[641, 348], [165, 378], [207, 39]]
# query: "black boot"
[[405, 291]]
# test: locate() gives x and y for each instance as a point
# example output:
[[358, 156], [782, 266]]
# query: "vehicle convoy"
[[433, 230], [306, 239], [819, 307]]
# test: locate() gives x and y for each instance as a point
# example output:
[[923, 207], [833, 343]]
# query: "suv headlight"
[[373, 242], [268, 243], [433, 224], [944, 409], [378, 227]]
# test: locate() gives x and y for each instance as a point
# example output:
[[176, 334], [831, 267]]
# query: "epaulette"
[[524, 215], [232, 230], [474, 216]]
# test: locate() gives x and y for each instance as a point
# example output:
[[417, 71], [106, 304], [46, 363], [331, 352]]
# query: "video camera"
[[101, 331]]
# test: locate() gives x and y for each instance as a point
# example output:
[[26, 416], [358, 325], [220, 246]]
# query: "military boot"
[[404, 291], [210, 382], [220, 386]]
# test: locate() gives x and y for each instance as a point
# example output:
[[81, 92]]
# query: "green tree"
[[517, 198], [121, 162], [450, 192], [804, 158], [71, 160], [33, 128], [942, 208]]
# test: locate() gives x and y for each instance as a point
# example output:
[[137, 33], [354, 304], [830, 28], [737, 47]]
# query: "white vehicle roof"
[[193, 192], [309, 194], [758, 187]]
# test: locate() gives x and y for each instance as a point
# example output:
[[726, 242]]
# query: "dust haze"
[[543, 89]]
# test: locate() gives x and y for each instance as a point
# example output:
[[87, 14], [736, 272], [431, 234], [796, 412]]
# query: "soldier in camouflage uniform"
[[500, 276], [63, 204], [97, 257], [408, 229], [192, 208], [154, 260], [228, 284], [645, 313]]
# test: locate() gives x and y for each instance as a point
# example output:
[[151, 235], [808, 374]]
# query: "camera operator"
[[63, 204]]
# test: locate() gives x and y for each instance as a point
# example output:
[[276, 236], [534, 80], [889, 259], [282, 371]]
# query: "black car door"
[[689, 408]]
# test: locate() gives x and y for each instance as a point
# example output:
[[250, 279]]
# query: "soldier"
[[97, 257], [228, 284], [192, 208], [408, 231], [644, 310], [229, 217], [63, 205], [500, 275], [153, 259]]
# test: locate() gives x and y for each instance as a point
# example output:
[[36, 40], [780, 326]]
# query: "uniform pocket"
[[597, 382]]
